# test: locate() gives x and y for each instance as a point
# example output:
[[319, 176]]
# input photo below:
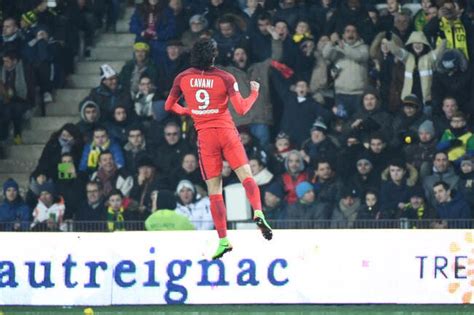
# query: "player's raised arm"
[[243, 105], [171, 104]]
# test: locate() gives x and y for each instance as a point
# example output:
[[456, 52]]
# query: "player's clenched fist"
[[254, 86]]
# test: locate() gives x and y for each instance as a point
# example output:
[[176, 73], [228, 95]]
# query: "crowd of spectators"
[[364, 114]]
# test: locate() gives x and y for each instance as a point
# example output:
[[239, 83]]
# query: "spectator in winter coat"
[[415, 209], [260, 116], [109, 93], [14, 213], [319, 83], [274, 206], [228, 37], [135, 148], [407, 122], [66, 140], [370, 118], [458, 140], [38, 177], [300, 110], [110, 176], [369, 210], [290, 50], [420, 62], [118, 126], [69, 185], [354, 13], [466, 183], [450, 206], [442, 117], [295, 174], [379, 153], [100, 143], [424, 15], [345, 213], [11, 39], [90, 117], [169, 154], [442, 171], [175, 61], [421, 150], [189, 170], [261, 39], [348, 154], [308, 208], [387, 71], [20, 88], [197, 26], [396, 185], [146, 99], [365, 178], [153, 22], [325, 182], [92, 210], [146, 180], [278, 153], [453, 77], [319, 146], [350, 58], [194, 207], [263, 177], [49, 212], [133, 70]]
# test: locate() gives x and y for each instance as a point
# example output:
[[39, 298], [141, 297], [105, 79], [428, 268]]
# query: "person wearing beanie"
[[345, 213], [197, 26], [415, 209], [420, 153], [319, 145], [273, 204], [458, 140], [307, 209], [365, 178], [134, 69], [370, 117], [453, 78], [14, 213], [117, 127], [109, 93], [164, 217], [49, 212], [193, 206], [406, 123]]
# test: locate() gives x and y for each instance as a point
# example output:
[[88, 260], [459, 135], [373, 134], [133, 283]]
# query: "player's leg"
[[219, 215], [234, 153], [252, 191], [210, 161]]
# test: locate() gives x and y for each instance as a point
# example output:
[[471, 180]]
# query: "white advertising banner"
[[297, 266]]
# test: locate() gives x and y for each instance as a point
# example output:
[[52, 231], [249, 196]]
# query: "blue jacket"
[[456, 209], [114, 148], [16, 211]]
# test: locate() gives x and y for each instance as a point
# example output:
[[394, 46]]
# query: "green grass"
[[248, 309]]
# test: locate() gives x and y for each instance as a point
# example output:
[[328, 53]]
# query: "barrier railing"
[[104, 226]]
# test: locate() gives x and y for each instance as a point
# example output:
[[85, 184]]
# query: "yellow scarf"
[[455, 35], [115, 219], [299, 37], [93, 158]]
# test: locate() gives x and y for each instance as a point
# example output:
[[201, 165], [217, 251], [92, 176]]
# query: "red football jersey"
[[207, 94]]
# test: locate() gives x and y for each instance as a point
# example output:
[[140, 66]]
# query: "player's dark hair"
[[203, 53]]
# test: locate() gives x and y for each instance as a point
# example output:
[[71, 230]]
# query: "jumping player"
[[206, 91]]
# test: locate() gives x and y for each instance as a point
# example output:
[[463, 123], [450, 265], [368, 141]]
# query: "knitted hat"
[[282, 135], [47, 187], [10, 183], [145, 161], [185, 184], [465, 160], [416, 191], [174, 42], [276, 189], [348, 191], [450, 60], [365, 159], [372, 91], [29, 18], [302, 188], [320, 126], [198, 18], [427, 126], [141, 46], [411, 100], [166, 200], [107, 72]]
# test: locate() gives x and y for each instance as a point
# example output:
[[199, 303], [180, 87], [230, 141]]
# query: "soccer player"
[[206, 90]]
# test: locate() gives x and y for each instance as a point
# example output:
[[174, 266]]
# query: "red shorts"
[[216, 145]]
